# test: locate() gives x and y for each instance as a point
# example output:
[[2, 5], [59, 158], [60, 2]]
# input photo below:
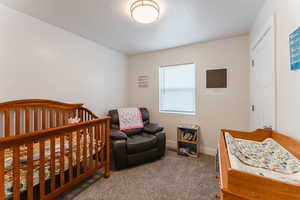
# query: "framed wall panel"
[[216, 78]]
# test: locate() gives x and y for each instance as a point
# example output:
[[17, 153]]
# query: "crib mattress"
[[36, 161], [239, 165]]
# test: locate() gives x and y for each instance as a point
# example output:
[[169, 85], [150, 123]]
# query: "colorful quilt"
[[267, 154], [130, 118], [36, 161]]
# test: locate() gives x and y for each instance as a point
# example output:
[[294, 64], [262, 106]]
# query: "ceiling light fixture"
[[145, 11]]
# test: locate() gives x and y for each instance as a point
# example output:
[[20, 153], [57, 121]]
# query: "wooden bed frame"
[[240, 185], [26, 122]]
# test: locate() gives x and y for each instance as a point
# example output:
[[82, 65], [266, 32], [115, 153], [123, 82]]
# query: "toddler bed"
[[239, 180], [42, 154]]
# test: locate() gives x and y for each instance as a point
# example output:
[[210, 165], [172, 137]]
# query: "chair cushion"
[[117, 135], [140, 142], [153, 128], [134, 131]]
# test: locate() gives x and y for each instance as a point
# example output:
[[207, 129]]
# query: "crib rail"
[[24, 116], [93, 133]]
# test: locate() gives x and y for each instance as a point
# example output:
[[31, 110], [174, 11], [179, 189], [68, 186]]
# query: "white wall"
[[226, 110], [38, 60], [287, 20]]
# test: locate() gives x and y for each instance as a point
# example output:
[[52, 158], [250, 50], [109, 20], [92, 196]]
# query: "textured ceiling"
[[107, 22]]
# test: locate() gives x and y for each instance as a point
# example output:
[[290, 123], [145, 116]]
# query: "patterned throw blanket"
[[267, 154], [130, 118]]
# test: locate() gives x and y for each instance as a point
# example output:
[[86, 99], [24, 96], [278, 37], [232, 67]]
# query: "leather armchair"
[[136, 146]]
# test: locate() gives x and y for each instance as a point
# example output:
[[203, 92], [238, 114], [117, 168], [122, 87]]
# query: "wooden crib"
[[41, 155]]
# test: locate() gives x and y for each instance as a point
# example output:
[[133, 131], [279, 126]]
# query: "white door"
[[263, 81]]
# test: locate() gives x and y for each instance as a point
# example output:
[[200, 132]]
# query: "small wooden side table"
[[188, 140]]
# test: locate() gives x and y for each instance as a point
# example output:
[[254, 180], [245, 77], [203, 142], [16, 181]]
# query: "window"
[[177, 89]]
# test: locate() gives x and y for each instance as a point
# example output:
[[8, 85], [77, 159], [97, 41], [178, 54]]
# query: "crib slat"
[[52, 161], [84, 149], [64, 118], [36, 122], [51, 118], [17, 121], [81, 115], [70, 156], [2, 196], [27, 120], [107, 149], [16, 172], [102, 143], [91, 147], [7, 123], [43, 117], [78, 138], [29, 170], [62, 160], [74, 113], [96, 145], [42, 168], [57, 119]]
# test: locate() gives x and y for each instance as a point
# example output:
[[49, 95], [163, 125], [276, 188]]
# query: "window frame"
[[195, 92]]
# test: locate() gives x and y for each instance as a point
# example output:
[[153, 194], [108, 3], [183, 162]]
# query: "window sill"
[[178, 113]]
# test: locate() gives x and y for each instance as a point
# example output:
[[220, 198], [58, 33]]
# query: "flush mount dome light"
[[145, 11]]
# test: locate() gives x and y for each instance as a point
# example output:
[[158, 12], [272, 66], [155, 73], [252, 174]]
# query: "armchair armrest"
[[117, 135], [153, 128]]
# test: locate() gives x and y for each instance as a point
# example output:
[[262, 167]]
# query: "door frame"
[[270, 25]]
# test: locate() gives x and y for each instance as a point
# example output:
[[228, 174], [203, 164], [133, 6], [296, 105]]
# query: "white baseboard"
[[205, 150], [172, 144], [208, 151]]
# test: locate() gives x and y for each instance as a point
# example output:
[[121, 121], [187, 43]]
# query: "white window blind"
[[178, 89]]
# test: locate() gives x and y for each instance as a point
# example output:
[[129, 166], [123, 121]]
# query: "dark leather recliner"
[[136, 146]]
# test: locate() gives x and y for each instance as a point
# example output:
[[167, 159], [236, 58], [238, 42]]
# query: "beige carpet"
[[171, 178]]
